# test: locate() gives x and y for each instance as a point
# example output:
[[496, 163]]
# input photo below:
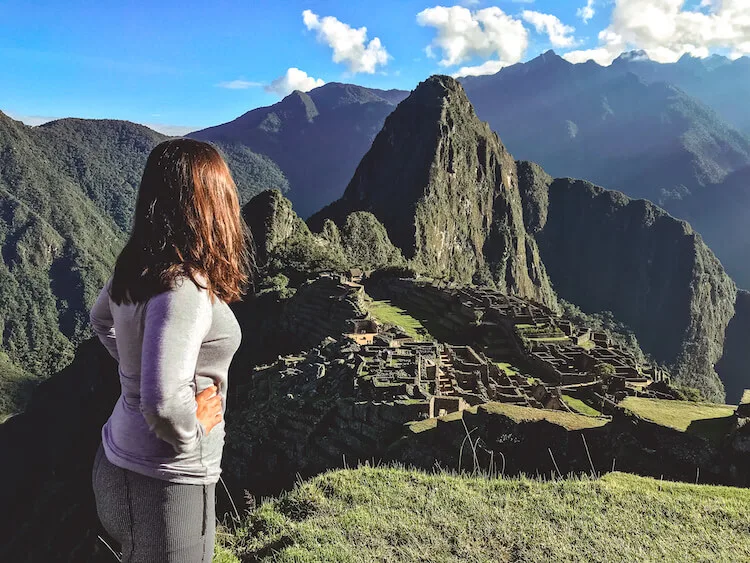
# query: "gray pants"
[[155, 521]]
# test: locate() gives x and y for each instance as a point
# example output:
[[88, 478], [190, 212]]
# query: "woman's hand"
[[209, 408]]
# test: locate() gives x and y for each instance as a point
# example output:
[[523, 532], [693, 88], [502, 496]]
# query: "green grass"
[[387, 313], [509, 369], [567, 420], [395, 515], [570, 421], [579, 406], [708, 420], [550, 339]]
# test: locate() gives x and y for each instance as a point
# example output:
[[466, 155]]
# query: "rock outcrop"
[[366, 243], [283, 242], [606, 252], [446, 191]]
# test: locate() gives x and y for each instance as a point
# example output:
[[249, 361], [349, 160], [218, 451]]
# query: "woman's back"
[[169, 349]]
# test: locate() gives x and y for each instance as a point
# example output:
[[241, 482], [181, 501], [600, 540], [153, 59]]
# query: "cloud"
[[559, 34], [463, 34], [32, 120], [293, 79], [488, 67], [171, 130], [666, 31], [587, 12], [349, 45], [239, 84]]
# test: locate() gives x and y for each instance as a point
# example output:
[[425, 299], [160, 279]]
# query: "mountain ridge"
[[316, 138]]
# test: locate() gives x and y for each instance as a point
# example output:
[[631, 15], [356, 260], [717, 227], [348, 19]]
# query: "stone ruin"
[[547, 348], [502, 349]]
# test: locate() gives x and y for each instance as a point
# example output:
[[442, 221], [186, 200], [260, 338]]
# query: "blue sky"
[[194, 64]]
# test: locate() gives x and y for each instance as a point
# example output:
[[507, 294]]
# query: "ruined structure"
[[525, 334]]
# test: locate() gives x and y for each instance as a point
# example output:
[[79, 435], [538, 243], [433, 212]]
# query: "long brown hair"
[[187, 222]]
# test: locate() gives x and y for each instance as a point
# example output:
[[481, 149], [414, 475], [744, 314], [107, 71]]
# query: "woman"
[[164, 317]]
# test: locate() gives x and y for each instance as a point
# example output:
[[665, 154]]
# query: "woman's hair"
[[187, 222]]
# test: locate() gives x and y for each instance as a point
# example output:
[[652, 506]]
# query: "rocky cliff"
[[285, 244], [606, 252], [446, 190]]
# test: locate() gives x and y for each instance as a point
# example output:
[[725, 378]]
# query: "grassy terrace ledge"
[[392, 514]]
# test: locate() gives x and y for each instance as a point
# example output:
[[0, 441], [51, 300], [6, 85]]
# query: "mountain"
[[717, 81], [607, 252], [649, 140], [446, 191], [105, 158], [57, 248], [721, 213], [67, 194], [316, 138], [458, 206]]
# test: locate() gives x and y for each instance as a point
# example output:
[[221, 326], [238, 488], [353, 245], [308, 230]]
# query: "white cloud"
[[239, 84], [171, 130], [32, 120], [488, 67], [587, 12], [349, 45], [463, 34], [666, 30], [559, 34], [293, 79]]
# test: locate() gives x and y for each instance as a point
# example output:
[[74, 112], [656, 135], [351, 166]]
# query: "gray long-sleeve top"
[[169, 349]]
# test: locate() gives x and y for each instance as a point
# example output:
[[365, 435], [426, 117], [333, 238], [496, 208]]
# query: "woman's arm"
[[176, 322], [101, 321]]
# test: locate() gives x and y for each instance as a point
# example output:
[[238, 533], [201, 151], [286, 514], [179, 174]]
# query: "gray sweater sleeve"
[[175, 324], [101, 321]]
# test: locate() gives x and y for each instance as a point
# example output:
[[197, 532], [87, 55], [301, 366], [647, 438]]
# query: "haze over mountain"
[[610, 127], [316, 138], [720, 83]]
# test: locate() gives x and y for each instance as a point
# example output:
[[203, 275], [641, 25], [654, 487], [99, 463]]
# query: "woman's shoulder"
[[186, 292]]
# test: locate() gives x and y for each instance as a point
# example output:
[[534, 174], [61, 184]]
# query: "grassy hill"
[[398, 515]]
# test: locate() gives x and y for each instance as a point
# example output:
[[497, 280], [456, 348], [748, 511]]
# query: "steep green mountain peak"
[[446, 190]]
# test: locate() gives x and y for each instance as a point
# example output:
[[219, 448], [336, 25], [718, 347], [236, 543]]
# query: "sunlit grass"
[[579, 406], [675, 414], [518, 414], [707, 420], [387, 313], [389, 514]]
